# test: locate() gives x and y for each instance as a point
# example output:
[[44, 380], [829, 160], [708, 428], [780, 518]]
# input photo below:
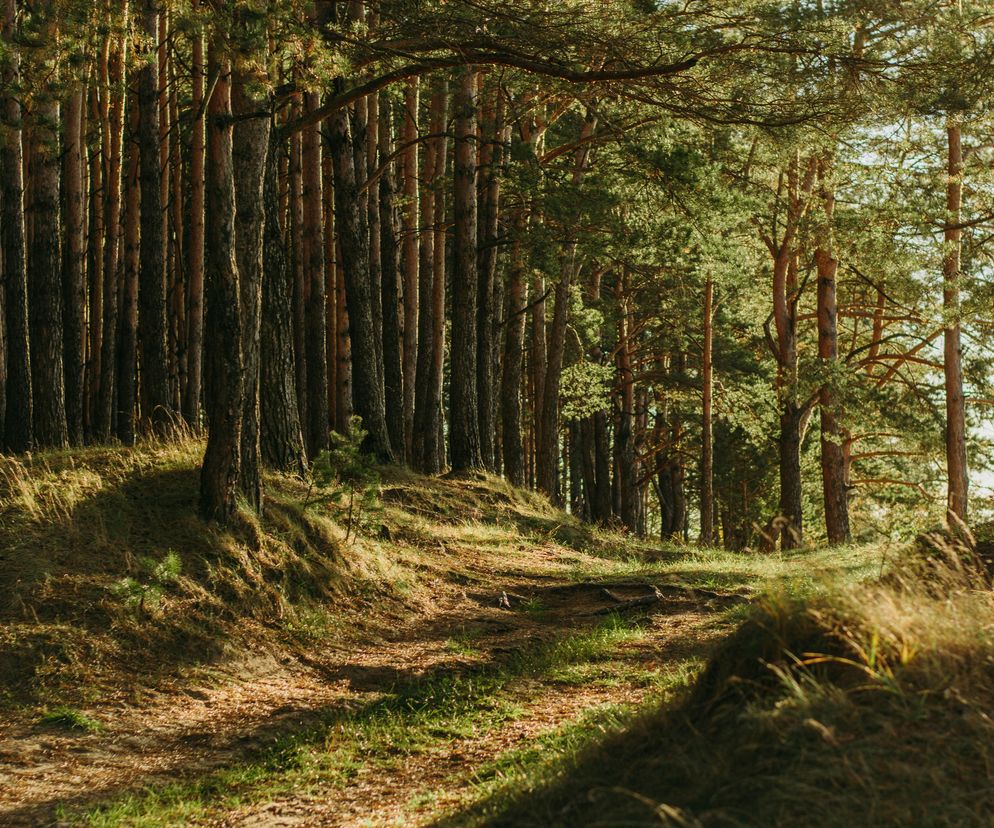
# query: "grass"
[[421, 717], [865, 704], [111, 582], [68, 718]]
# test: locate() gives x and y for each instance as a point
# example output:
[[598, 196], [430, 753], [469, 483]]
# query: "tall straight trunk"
[[295, 222], [177, 211], [195, 240], [343, 349], [436, 446], [73, 285], [602, 509], [17, 423], [390, 268], [127, 363], [316, 434], [547, 406], [152, 318], [104, 418], [367, 155], [588, 473], [280, 435], [487, 222], [707, 426], [410, 259], [44, 264], [625, 438], [426, 451], [170, 274], [833, 464], [250, 147], [547, 413], [98, 167], [785, 253], [224, 387], [350, 217], [361, 135], [538, 359], [330, 285], [956, 461], [514, 340], [790, 476], [464, 426]]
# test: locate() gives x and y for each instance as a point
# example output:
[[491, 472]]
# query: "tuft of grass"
[[68, 718]]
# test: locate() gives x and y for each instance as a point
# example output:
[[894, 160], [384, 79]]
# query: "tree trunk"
[[367, 386], [104, 420], [956, 460], [547, 406], [625, 438], [195, 241], [343, 356], [127, 377], [281, 438], [790, 477], [99, 167], [410, 260], [514, 340], [17, 422], [316, 436], [707, 428], [489, 185], [73, 285], [44, 265], [295, 220], [224, 387], [833, 466], [464, 428], [427, 452], [390, 264], [152, 321], [250, 145]]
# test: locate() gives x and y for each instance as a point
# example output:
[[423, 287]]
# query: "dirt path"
[[182, 733]]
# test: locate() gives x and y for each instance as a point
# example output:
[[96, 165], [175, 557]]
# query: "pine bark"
[[833, 464], [312, 239], [464, 426], [74, 266], [428, 450], [45, 265], [410, 260], [104, 418], [224, 387], [195, 241], [17, 422], [127, 379], [350, 216], [956, 460], [152, 317], [707, 425], [250, 147], [390, 268], [281, 437], [486, 308], [514, 341]]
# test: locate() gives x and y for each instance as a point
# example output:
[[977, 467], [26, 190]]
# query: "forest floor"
[[480, 645]]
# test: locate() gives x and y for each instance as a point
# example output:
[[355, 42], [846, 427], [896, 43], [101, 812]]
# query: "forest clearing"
[[473, 413]]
